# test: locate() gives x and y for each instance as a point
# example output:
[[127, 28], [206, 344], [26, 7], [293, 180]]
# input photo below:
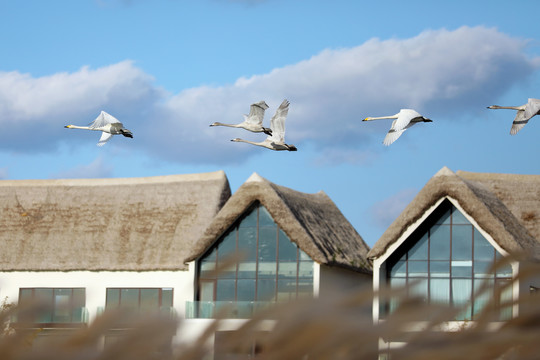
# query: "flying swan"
[[276, 141], [106, 123], [253, 121], [523, 115], [404, 120]]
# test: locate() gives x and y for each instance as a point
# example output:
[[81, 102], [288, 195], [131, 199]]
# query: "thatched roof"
[[106, 224], [506, 206], [312, 221]]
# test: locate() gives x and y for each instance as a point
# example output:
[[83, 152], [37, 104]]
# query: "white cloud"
[[96, 169], [440, 73], [3, 173], [33, 111], [384, 212]]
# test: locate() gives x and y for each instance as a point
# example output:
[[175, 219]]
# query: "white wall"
[[334, 279], [96, 284]]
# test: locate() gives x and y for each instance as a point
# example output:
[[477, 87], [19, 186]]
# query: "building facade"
[[175, 245], [184, 247], [443, 247]]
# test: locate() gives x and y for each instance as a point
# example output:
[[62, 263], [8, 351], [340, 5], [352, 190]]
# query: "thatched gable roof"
[[312, 221], [506, 206], [106, 224]]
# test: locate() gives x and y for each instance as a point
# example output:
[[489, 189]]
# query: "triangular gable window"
[[271, 267], [446, 260]]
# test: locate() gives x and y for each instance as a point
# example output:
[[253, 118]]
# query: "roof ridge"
[[159, 179]]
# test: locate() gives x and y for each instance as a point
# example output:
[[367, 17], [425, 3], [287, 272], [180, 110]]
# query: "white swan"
[[253, 121], [404, 120], [106, 123], [276, 141], [523, 115]]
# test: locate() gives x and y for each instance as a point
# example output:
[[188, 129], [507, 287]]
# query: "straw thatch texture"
[[506, 206], [106, 224], [312, 221]]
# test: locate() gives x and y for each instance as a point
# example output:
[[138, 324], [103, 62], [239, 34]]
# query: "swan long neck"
[[249, 142], [79, 127], [505, 107], [381, 117], [261, 144], [222, 124]]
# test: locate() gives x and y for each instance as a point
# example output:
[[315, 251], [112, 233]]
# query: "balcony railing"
[[46, 318], [162, 310], [225, 309]]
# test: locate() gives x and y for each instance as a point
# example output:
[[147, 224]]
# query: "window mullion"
[[277, 264], [237, 265], [451, 282], [297, 267], [257, 255]]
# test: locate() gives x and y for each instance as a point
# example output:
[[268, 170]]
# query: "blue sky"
[[169, 68]]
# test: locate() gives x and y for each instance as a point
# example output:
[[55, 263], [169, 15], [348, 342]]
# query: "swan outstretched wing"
[[393, 134], [519, 122], [104, 138], [102, 120], [256, 113], [277, 124]]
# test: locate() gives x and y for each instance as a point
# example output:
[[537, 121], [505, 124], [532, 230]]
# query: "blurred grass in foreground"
[[333, 327]]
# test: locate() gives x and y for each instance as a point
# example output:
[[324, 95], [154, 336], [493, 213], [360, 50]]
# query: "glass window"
[[267, 244], [207, 290], [60, 305], [461, 291], [129, 298], [265, 219], [440, 290], [399, 269], [461, 242], [267, 270], [273, 268], [226, 290], [246, 290], [445, 218], [167, 297], [266, 289], [439, 268], [227, 247], [287, 250], [448, 262], [483, 290], [418, 268], [462, 268], [149, 299], [62, 301], [458, 218], [419, 288], [420, 250], [249, 221], [139, 299], [305, 269], [483, 268], [439, 242], [113, 297], [482, 248], [248, 237]]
